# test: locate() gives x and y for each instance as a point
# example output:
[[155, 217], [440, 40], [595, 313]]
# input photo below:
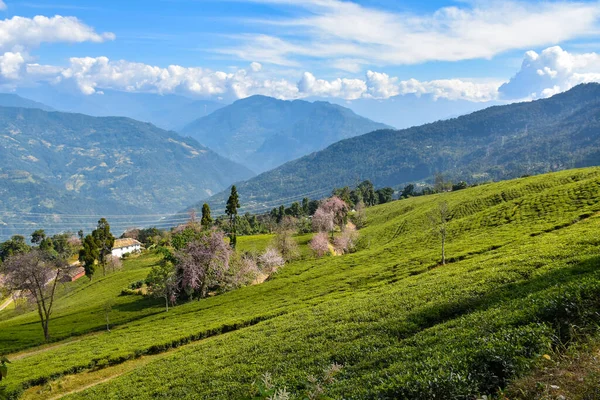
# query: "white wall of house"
[[125, 250]]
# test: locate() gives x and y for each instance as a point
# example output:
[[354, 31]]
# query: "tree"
[[37, 236], [270, 260], [163, 282], [36, 275], [438, 221], [346, 242], [441, 184], [338, 208], [322, 221], [206, 220], [367, 190], [233, 203], [384, 195], [104, 242], [408, 191], [15, 245], [203, 263], [459, 186], [320, 244], [286, 245], [88, 255]]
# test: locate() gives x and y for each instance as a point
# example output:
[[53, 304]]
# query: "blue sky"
[[320, 48]]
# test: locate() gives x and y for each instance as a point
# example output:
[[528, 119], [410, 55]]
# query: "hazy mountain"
[[110, 160], [405, 111], [14, 100], [262, 132], [28, 202], [165, 111], [496, 143]]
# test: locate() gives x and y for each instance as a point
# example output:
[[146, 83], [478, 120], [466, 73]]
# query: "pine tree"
[[206, 220], [233, 203], [104, 240]]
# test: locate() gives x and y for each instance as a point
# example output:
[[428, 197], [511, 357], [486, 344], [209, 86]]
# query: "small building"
[[125, 246], [72, 274]]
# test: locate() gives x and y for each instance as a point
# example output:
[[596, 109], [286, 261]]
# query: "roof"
[[120, 243], [74, 271]]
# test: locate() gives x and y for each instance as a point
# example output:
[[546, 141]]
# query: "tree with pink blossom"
[[345, 242], [322, 221], [320, 244], [270, 260], [203, 262], [338, 208]]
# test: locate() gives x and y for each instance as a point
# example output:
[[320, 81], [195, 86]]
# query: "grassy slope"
[[401, 325]]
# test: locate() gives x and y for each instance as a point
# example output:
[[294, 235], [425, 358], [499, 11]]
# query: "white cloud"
[[20, 34], [11, 65], [343, 30], [2, 5], [552, 71], [255, 67]]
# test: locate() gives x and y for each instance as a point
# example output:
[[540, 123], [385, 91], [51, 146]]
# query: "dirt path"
[[82, 388], [71, 384], [6, 303], [25, 354]]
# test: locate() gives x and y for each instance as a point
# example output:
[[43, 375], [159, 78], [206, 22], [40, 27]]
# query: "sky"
[[478, 51]]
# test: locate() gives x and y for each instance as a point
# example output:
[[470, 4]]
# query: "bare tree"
[[36, 275], [287, 246], [438, 222]]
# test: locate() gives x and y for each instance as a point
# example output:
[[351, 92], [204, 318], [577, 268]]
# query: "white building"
[[125, 246]]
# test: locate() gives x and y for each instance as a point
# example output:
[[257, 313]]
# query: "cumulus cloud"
[[11, 65], [343, 30], [92, 74], [552, 71], [20, 34]]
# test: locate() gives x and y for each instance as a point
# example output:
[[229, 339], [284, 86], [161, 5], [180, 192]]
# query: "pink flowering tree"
[[320, 244], [338, 208], [271, 260], [346, 241], [322, 221], [203, 262]]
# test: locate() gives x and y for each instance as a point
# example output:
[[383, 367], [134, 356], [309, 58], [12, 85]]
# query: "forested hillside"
[[500, 142], [118, 164], [262, 132]]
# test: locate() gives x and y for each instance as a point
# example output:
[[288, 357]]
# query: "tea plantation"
[[522, 281]]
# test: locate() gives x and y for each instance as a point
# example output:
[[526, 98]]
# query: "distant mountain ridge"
[[14, 100], [168, 111], [262, 132], [500, 142], [113, 162]]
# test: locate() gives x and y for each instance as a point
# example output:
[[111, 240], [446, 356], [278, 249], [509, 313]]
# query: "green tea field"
[[521, 284]]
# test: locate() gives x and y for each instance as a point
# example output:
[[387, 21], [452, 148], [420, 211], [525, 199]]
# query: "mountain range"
[[168, 111], [117, 164], [262, 132], [499, 142]]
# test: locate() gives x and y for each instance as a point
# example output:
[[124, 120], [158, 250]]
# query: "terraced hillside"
[[522, 280]]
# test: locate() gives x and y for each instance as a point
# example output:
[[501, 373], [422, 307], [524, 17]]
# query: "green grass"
[[80, 307], [521, 253]]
